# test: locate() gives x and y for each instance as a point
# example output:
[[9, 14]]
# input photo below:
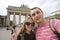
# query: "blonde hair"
[[22, 29]]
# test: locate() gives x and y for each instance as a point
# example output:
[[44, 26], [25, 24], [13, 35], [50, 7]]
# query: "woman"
[[27, 32]]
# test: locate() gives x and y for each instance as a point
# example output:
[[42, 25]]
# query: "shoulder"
[[56, 21]]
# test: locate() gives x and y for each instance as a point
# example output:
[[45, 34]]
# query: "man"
[[43, 31]]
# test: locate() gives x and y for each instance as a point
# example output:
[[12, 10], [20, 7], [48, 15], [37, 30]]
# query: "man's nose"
[[36, 15]]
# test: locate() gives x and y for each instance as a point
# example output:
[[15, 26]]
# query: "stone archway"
[[11, 10]]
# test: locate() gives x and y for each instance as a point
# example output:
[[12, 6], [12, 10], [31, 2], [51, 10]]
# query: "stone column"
[[4, 21], [8, 18], [20, 19], [14, 20], [26, 15]]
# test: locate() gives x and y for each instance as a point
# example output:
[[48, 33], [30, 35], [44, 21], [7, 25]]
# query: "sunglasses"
[[28, 23]]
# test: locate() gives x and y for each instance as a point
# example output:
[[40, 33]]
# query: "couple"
[[42, 31]]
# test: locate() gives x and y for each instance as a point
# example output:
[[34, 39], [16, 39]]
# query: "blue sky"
[[47, 6]]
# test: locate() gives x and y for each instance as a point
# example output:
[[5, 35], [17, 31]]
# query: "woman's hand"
[[14, 36]]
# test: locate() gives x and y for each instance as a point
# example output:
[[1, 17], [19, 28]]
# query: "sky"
[[48, 6]]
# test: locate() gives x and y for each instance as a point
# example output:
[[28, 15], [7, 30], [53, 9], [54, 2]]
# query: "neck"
[[42, 22], [28, 32]]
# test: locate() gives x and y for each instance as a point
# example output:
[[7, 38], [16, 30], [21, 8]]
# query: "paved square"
[[5, 34]]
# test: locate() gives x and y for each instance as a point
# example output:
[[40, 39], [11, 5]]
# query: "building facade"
[[55, 14], [12, 10], [2, 21]]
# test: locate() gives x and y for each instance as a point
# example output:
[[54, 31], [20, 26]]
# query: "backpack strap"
[[51, 25], [53, 29]]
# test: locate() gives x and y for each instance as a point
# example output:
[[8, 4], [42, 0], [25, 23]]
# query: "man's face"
[[37, 15]]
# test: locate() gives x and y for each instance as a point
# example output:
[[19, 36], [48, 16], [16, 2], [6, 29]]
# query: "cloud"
[[47, 6]]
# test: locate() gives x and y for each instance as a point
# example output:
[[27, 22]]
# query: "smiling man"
[[43, 31]]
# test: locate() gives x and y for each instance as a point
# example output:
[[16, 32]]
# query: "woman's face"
[[29, 25]]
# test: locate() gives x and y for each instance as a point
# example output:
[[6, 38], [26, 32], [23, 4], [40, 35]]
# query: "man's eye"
[[33, 14], [37, 12]]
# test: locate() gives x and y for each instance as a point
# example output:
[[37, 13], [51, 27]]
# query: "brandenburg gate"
[[12, 10]]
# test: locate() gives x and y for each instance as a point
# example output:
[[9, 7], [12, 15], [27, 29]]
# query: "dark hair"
[[37, 8], [14, 26]]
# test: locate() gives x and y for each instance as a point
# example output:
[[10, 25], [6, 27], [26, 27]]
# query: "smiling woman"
[[26, 31]]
